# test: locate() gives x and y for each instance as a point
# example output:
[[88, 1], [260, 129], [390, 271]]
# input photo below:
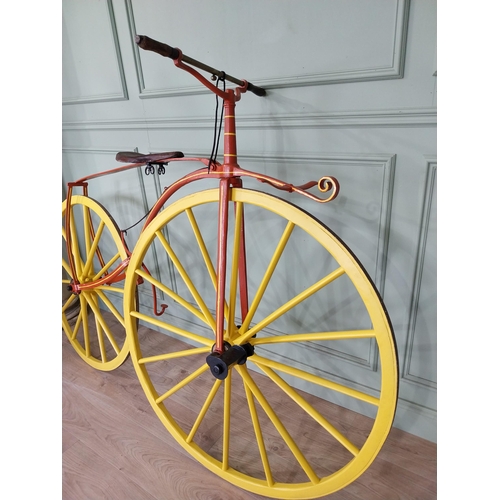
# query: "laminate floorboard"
[[115, 447]]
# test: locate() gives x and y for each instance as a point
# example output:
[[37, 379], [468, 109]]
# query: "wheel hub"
[[220, 363], [73, 287]]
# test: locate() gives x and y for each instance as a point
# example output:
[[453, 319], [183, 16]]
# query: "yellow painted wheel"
[[308, 412], [93, 320]]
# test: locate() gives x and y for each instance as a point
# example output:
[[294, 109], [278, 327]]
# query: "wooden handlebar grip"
[[259, 91], [163, 49]]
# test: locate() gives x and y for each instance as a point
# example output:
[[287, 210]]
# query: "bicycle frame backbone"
[[230, 175]]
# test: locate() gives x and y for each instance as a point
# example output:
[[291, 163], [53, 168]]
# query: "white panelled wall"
[[351, 93]]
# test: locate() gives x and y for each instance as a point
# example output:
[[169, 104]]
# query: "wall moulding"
[[80, 150], [393, 70], [404, 117], [122, 95], [416, 419], [430, 190]]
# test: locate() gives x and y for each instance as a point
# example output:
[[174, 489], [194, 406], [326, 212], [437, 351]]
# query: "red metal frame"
[[230, 175]]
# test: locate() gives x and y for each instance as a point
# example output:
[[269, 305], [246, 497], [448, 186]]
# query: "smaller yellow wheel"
[[93, 319]]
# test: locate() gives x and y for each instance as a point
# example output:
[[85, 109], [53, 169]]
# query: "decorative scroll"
[[325, 184]]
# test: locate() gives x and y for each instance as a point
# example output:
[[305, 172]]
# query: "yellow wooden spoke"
[[205, 254], [87, 226], [308, 337], [248, 380], [204, 409], [194, 292], [107, 266], [74, 246], [203, 368], [78, 322], [99, 318], [258, 436], [109, 304], [86, 229], [308, 408], [172, 328], [290, 305], [72, 298], [100, 339], [99, 330], [234, 268], [184, 303], [107, 288], [226, 421], [66, 267], [86, 333], [173, 355], [93, 248], [66, 326], [267, 275], [295, 372]]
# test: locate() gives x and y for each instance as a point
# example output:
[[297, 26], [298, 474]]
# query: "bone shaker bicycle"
[[241, 369]]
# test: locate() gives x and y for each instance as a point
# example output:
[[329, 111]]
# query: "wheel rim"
[[93, 320], [211, 431]]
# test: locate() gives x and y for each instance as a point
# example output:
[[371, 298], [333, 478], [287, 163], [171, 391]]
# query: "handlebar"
[[146, 43]]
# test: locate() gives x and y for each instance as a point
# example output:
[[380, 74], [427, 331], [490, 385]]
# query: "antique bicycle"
[[250, 293]]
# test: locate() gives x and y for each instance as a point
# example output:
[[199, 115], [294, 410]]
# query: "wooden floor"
[[115, 447]]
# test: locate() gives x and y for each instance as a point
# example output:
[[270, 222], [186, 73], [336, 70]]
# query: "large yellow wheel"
[[93, 319], [309, 411]]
